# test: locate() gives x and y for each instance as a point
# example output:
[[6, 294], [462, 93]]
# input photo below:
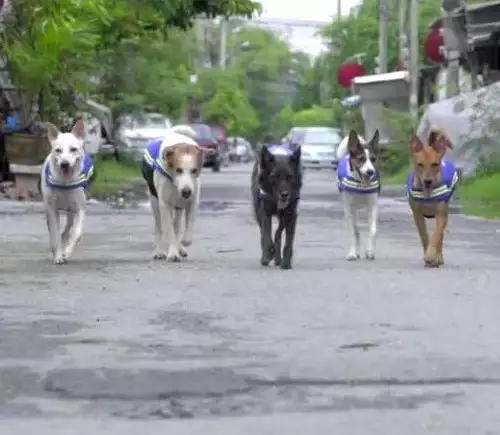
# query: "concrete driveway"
[[114, 343]]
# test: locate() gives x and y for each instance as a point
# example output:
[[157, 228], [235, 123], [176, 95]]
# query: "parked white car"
[[319, 145], [240, 150]]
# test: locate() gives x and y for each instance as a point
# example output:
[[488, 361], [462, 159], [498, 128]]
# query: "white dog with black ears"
[[171, 168], [358, 181], [66, 174]]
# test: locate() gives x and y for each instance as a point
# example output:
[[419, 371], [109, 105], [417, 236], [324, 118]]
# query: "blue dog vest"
[[83, 179], [348, 182], [153, 159], [441, 193], [277, 150]]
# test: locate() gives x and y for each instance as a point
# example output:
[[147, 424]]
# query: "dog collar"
[[348, 182], [82, 180], [441, 193]]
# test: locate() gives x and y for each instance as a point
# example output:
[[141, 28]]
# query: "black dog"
[[276, 184]]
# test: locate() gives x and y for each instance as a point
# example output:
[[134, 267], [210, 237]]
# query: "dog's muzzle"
[[65, 167], [186, 192]]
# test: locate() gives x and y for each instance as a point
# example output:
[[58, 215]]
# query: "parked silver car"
[[319, 145], [135, 132], [240, 150]]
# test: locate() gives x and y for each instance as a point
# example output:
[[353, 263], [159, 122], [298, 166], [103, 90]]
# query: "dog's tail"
[[186, 130]]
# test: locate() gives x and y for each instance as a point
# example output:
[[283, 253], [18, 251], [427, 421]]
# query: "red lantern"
[[348, 72], [434, 45]]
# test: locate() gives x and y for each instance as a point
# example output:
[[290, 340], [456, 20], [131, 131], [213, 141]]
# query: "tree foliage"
[[359, 31]]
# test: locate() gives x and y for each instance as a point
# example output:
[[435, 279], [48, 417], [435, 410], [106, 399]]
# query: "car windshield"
[[147, 121], [326, 137], [202, 131]]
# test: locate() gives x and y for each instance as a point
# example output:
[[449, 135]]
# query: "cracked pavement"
[[115, 343]]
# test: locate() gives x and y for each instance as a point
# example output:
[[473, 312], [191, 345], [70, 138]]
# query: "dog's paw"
[[352, 256], [159, 255], [370, 255], [431, 258], [183, 253], [285, 265], [59, 259], [173, 255], [440, 259]]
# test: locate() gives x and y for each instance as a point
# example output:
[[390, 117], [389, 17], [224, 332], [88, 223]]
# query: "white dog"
[[359, 183], [171, 167], [66, 173]]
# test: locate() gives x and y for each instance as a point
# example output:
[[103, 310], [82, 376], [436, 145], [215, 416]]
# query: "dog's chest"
[[357, 201], [67, 201]]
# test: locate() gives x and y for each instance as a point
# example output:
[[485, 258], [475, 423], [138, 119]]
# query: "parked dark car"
[[220, 134], [206, 139]]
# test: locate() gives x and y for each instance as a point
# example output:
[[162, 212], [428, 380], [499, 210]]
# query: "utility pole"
[[382, 35], [223, 43], [452, 47], [414, 48], [403, 36], [339, 10]]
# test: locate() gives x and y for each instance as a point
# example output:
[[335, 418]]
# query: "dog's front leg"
[[277, 240], [187, 237], [351, 218], [266, 241], [290, 224], [419, 220], [372, 230], [433, 256], [168, 232], [75, 233], [52, 215], [180, 230]]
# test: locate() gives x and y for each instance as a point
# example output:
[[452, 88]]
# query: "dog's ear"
[[52, 131], [373, 146], [295, 157], [436, 135], [168, 156], [79, 129], [200, 155], [440, 145], [416, 144], [266, 158], [353, 144]]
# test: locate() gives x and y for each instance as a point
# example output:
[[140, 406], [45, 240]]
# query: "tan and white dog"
[[66, 174], [171, 167]]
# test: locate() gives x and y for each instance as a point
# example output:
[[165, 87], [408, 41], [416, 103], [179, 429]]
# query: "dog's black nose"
[[284, 194], [65, 165], [186, 192], [427, 183], [370, 172]]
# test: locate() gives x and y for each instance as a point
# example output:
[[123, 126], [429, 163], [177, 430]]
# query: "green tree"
[[358, 32], [230, 105]]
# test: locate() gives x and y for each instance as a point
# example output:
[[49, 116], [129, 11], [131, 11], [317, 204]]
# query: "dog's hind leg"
[[75, 233], [266, 241], [351, 218], [291, 223], [432, 256], [277, 241], [159, 251], [372, 230]]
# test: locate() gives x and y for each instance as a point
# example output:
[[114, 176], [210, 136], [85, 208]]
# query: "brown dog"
[[430, 187]]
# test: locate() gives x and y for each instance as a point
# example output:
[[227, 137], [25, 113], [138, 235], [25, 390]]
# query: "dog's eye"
[[373, 159], [73, 149], [178, 170], [420, 165], [194, 171], [58, 150], [435, 165]]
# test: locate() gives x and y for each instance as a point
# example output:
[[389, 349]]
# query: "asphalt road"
[[114, 343]]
